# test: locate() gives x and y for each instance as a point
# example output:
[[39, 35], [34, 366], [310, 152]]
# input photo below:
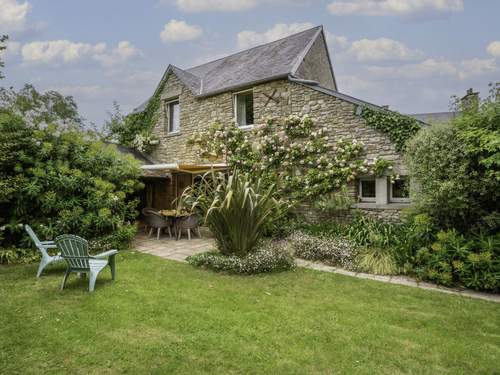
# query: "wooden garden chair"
[[75, 251], [42, 246]]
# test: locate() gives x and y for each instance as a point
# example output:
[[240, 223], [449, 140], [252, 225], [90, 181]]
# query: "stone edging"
[[399, 280]]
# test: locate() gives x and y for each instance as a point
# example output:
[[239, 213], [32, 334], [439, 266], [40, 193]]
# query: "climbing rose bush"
[[297, 156]]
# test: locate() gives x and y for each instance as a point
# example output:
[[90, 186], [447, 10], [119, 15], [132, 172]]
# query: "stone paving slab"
[[399, 280], [171, 249]]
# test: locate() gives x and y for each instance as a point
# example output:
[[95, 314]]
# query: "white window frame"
[[360, 193], [169, 119], [235, 105], [397, 200]]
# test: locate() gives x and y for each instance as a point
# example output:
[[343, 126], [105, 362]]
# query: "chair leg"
[[92, 279], [198, 231], [189, 234], [169, 232], [43, 263], [158, 234], [65, 278], [112, 266], [150, 231]]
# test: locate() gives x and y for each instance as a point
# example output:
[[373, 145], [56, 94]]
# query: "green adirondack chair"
[[75, 251], [42, 246]]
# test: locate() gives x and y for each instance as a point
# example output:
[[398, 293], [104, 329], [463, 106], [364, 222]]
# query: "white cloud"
[[12, 49], [494, 48], [123, 52], [249, 38], [180, 31], [215, 5], [394, 7], [432, 68], [64, 51], [338, 42], [54, 51], [13, 15], [382, 49]]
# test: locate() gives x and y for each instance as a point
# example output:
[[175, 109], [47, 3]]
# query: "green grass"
[[162, 317]]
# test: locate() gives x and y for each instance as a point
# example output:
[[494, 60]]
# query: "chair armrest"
[[49, 246], [105, 254]]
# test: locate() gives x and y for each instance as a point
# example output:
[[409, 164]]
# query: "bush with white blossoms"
[[337, 251], [269, 257], [144, 142], [297, 156]]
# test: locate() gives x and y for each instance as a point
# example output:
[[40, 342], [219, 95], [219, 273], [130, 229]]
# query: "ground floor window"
[[399, 190], [367, 190]]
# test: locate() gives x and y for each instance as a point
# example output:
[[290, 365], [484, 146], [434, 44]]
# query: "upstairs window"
[[174, 110], [367, 190], [244, 108], [400, 190]]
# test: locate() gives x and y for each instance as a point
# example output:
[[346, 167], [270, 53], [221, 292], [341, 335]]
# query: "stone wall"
[[336, 115]]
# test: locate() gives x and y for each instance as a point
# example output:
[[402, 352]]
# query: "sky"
[[409, 54]]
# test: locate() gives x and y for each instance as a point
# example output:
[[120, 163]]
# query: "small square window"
[[400, 190], [244, 108], [174, 125], [367, 190]]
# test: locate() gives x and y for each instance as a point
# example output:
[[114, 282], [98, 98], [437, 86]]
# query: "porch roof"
[[181, 167]]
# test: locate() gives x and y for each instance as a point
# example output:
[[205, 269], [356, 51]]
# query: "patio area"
[[169, 248]]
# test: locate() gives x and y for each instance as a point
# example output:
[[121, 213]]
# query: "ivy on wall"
[[136, 129], [399, 128]]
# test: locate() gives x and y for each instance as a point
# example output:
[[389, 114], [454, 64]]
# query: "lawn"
[[160, 317]]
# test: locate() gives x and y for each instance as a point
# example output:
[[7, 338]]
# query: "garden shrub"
[[456, 170], [454, 260], [18, 255], [268, 257], [61, 180], [334, 251]]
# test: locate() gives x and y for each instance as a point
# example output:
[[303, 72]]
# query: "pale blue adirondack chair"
[[42, 246], [75, 251]]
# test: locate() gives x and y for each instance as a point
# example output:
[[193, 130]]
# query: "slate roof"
[[435, 116], [263, 63]]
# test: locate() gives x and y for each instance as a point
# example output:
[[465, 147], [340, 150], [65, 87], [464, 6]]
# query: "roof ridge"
[[320, 27]]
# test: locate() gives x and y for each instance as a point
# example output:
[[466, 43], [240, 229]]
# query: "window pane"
[[368, 189], [174, 120], [400, 188], [244, 109]]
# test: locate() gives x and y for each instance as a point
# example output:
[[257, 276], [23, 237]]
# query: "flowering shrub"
[[269, 257], [335, 251], [144, 142], [297, 157]]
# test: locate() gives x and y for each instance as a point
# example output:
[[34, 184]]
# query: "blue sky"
[[410, 54]]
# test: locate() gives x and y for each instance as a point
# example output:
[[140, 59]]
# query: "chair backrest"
[[148, 210], [75, 250], [191, 221], [155, 220], [35, 239]]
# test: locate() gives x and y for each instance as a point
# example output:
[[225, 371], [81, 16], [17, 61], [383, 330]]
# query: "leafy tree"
[[38, 108], [457, 169]]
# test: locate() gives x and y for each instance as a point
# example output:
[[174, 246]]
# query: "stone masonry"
[[337, 115]]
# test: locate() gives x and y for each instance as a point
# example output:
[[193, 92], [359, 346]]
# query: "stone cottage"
[[293, 75]]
